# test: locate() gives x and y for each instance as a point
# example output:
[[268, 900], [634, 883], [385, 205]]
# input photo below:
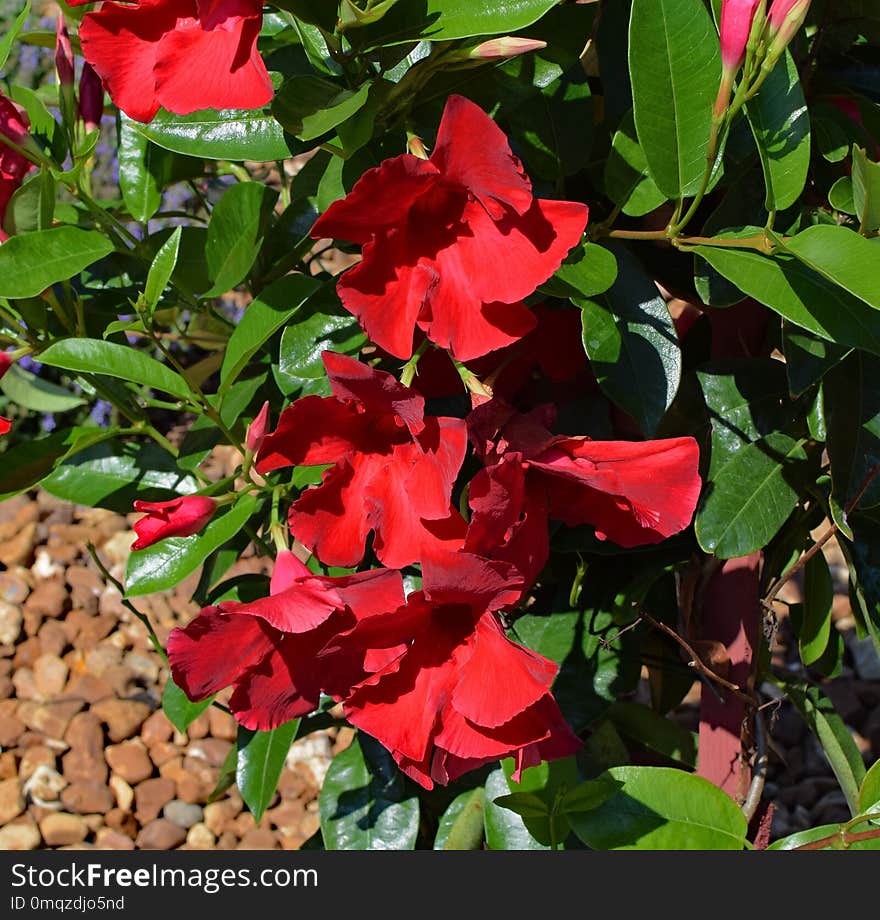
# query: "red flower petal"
[[371, 206], [5, 425], [298, 609], [472, 151], [287, 569], [462, 579]]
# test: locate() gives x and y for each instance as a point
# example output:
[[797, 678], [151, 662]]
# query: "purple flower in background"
[[48, 423], [100, 413], [28, 363]]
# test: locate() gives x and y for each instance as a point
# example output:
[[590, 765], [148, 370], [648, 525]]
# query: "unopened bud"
[[257, 430], [784, 20], [91, 98], [7, 359], [507, 46], [736, 25], [63, 54]]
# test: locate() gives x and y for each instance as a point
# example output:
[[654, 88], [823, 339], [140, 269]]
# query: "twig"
[[842, 837], [756, 789]]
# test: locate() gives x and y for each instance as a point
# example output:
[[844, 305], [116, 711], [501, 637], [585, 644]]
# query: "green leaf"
[[837, 742], [115, 473], [660, 808], [852, 398], [675, 68], [749, 492], [140, 170], [799, 294], [866, 190], [177, 706], [92, 356], [781, 127], [815, 629], [461, 825], [261, 757], [31, 392], [632, 345], [627, 182], [309, 106], [869, 791], [34, 261], [228, 134], [365, 803], [589, 795], [12, 33], [162, 268], [505, 829], [588, 270], [841, 196], [32, 206], [165, 564], [235, 234], [863, 558], [808, 358], [793, 841], [264, 316], [525, 804], [649, 728]]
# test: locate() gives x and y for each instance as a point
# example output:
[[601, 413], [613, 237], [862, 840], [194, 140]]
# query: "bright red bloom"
[[6, 361], [451, 244], [393, 468], [15, 126], [631, 492], [458, 694], [736, 24], [179, 517], [184, 55], [275, 670]]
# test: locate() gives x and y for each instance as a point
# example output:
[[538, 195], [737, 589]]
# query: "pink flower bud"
[[91, 98], [63, 54], [736, 24], [505, 47], [258, 428], [6, 361], [179, 517], [780, 10]]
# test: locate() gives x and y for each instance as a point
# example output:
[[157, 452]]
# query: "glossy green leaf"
[[749, 491], [800, 294], [140, 167], [808, 358], [162, 268], [781, 127], [675, 68], [649, 728], [461, 826], [261, 757], [837, 742], [632, 345], [12, 33], [34, 261], [32, 206], [275, 305], [165, 564], [91, 356], [505, 829], [816, 627], [309, 106], [235, 234], [852, 397], [863, 558], [365, 802], [660, 808], [588, 270], [228, 134], [627, 181], [115, 473], [793, 841], [869, 791], [589, 795], [181, 711], [841, 197], [31, 392], [866, 190]]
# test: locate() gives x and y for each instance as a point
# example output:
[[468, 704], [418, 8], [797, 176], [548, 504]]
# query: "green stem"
[[409, 370]]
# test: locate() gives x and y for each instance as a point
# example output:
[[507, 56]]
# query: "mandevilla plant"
[[560, 343]]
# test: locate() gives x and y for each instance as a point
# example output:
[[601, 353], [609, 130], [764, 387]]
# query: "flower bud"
[[257, 430], [91, 98], [179, 517], [507, 46], [6, 361], [63, 55], [784, 20], [736, 24]]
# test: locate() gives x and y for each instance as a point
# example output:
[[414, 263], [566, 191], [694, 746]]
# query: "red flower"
[[736, 24], [15, 126], [184, 55], [451, 244], [275, 670], [459, 693], [632, 492], [393, 470], [179, 517]]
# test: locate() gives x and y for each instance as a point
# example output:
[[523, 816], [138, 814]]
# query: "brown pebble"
[[199, 727], [156, 728], [51, 719], [122, 791], [258, 840], [162, 752], [227, 841], [220, 815], [37, 755], [61, 829], [22, 834], [11, 729], [19, 548], [160, 835], [222, 724], [11, 800], [53, 638], [200, 838], [122, 717], [151, 796], [27, 652], [11, 621], [88, 687], [87, 798], [50, 675], [8, 765], [108, 839], [121, 821], [85, 761], [49, 598], [25, 685], [129, 759], [13, 588], [212, 750]]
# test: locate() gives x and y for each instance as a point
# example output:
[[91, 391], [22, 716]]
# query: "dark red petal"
[[313, 431], [215, 69], [386, 292], [372, 593], [436, 458], [382, 198], [501, 679], [507, 259], [471, 581], [496, 497], [378, 392], [200, 653], [121, 43], [472, 151], [5, 425], [298, 609], [463, 738]]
